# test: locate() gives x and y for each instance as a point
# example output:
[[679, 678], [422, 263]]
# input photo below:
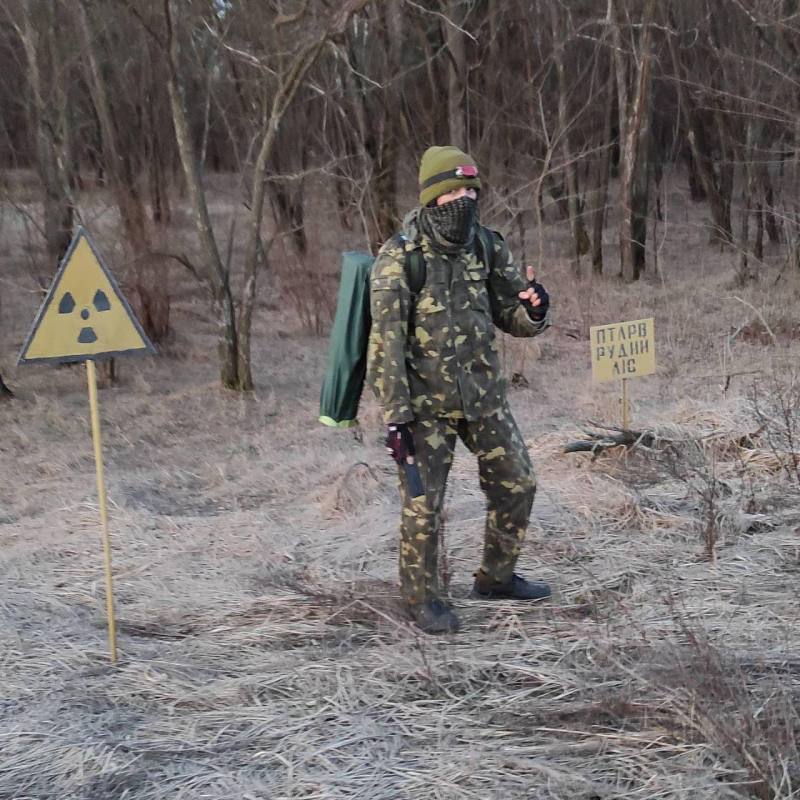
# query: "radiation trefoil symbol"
[[100, 303], [84, 315]]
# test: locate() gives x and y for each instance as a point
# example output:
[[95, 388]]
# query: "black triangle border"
[[148, 349]]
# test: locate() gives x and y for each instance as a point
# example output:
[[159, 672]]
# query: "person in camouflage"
[[434, 366]]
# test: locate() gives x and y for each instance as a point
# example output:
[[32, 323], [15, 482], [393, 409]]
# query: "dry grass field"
[[263, 650]]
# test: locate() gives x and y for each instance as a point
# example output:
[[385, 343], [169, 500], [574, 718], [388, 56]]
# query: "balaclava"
[[442, 169]]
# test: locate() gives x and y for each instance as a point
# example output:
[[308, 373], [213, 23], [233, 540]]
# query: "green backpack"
[[347, 351]]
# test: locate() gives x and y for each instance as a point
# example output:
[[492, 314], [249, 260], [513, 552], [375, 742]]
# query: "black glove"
[[537, 313], [400, 443]]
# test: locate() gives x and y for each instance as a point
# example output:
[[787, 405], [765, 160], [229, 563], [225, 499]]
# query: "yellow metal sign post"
[[621, 351], [84, 317], [101, 493]]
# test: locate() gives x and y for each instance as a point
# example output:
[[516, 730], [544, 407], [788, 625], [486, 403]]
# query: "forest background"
[[643, 156]]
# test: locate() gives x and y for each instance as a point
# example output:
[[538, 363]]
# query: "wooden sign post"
[[621, 351], [84, 317]]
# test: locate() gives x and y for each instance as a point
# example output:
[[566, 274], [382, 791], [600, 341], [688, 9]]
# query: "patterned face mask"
[[454, 221]]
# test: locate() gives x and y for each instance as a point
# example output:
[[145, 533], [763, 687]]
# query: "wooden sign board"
[[623, 350]]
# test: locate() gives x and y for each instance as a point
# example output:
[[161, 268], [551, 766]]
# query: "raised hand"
[[535, 297]]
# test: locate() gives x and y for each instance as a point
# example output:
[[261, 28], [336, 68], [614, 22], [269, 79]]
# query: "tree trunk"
[[696, 190], [727, 171], [255, 254], [743, 275], [386, 172], [603, 172], [701, 156], [378, 126], [151, 300], [343, 201], [214, 270], [640, 194], [49, 123], [758, 247], [385, 192], [633, 189], [621, 69], [580, 241], [159, 191], [556, 191], [158, 173], [60, 120], [346, 149], [745, 272], [771, 220], [718, 190], [286, 195], [794, 204], [59, 211], [456, 75]]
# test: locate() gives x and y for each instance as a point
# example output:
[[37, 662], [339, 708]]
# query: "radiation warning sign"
[[623, 350], [84, 315]]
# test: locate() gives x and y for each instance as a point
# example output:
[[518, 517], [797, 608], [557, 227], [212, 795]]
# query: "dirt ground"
[[263, 649]]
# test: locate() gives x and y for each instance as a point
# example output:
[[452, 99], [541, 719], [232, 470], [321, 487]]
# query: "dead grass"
[[264, 650], [357, 487]]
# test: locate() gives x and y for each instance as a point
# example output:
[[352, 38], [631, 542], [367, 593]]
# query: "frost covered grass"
[[264, 651]]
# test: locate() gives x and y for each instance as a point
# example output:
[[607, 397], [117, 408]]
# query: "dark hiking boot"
[[434, 616], [515, 588]]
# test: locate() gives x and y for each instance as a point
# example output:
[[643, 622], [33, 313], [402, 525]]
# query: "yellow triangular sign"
[[84, 315]]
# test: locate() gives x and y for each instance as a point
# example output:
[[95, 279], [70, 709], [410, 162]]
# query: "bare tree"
[[235, 330], [603, 170], [552, 98], [374, 119], [150, 284], [49, 103], [454, 36], [579, 237], [290, 82], [214, 271], [634, 180], [698, 134]]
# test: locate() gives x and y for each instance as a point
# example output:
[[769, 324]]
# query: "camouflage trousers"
[[506, 478]]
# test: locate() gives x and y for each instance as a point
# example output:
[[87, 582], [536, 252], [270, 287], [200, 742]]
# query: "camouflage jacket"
[[436, 354]]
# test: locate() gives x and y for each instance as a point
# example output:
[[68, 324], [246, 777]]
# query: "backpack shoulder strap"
[[415, 267], [486, 240]]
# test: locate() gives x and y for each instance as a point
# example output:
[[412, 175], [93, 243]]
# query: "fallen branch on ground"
[[612, 437]]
